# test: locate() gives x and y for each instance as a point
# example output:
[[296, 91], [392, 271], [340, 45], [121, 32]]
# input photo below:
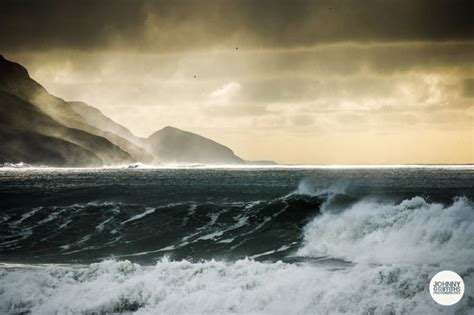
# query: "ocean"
[[258, 240]]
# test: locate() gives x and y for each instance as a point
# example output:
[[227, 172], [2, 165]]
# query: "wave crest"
[[413, 231]]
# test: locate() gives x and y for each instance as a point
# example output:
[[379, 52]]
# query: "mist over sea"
[[263, 240]]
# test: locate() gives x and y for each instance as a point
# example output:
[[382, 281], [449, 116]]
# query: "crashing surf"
[[318, 249]]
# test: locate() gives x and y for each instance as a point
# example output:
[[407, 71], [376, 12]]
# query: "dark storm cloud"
[[383, 59], [176, 25], [47, 24]]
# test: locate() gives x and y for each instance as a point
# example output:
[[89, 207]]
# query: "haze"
[[324, 82]]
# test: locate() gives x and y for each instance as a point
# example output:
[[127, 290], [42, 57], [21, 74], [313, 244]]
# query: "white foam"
[[141, 215], [414, 231], [52, 216], [100, 227], [270, 252], [27, 215], [15, 165], [217, 287], [308, 187]]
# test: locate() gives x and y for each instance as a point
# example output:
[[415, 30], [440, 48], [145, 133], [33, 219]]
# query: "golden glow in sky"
[[322, 84]]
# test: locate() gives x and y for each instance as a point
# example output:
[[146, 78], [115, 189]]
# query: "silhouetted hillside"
[[172, 145], [113, 131], [39, 128], [29, 135], [14, 80]]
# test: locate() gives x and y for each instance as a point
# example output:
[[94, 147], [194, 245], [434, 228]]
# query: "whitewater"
[[219, 241]]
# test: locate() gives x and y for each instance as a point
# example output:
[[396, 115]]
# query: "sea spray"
[[243, 286], [413, 231]]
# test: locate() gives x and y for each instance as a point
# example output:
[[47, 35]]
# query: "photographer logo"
[[446, 287]]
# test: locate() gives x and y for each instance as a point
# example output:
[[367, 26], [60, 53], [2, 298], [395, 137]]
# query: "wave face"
[[233, 241], [95, 231]]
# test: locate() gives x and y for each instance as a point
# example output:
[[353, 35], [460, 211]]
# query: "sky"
[[314, 82]]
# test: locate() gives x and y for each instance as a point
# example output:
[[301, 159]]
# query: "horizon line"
[[249, 166]]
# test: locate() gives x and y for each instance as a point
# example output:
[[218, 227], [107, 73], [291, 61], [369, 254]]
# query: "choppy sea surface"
[[270, 240]]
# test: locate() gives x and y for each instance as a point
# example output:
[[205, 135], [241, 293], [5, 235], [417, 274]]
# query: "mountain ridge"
[[37, 127], [15, 80], [28, 135], [113, 131]]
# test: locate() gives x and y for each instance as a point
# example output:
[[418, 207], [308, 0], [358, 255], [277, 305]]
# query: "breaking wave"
[[412, 231], [15, 165], [315, 250], [244, 286]]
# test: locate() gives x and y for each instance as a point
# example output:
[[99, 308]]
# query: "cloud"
[[468, 88], [302, 120], [308, 67], [236, 110], [226, 92], [181, 25], [264, 85]]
